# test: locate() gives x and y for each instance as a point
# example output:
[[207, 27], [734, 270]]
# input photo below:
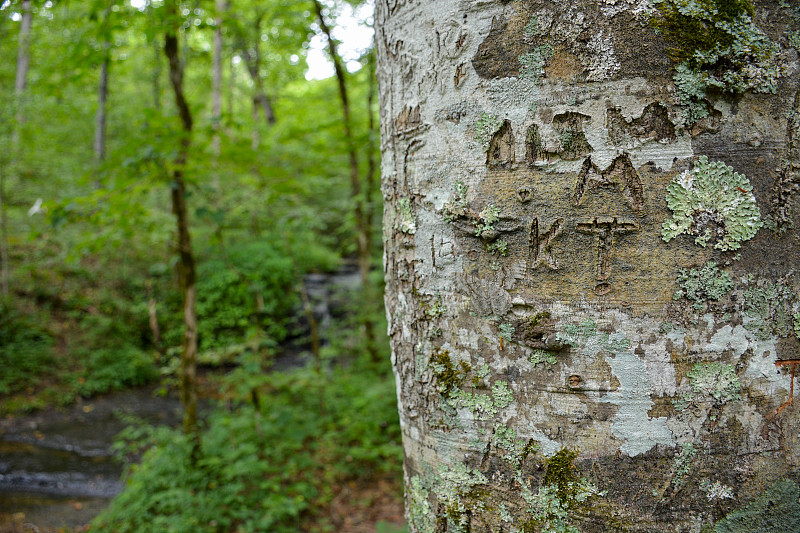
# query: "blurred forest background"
[[176, 191]]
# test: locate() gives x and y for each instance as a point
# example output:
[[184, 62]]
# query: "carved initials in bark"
[[501, 148], [409, 124], [541, 245], [620, 173], [605, 228]]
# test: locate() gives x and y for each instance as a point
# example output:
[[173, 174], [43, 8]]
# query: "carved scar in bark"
[[620, 173], [540, 245], [791, 363], [605, 228]]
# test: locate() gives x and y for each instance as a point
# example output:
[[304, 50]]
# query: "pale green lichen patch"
[[435, 309], [719, 49], [717, 380], [770, 308], [796, 323], [456, 206], [562, 491], [516, 449], [486, 220], [585, 335], [404, 221], [777, 510], [542, 356], [483, 406], [420, 515], [532, 63], [502, 396], [700, 285], [499, 247], [716, 490], [576, 335], [531, 29], [712, 203], [485, 128], [683, 464], [506, 332], [454, 483]]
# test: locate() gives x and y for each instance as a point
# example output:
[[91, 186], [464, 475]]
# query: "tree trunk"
[[216, 89], [363, 231], [186, 269], [592, 299], [20, 82], [23, 47], [252, 59], [100, 115]]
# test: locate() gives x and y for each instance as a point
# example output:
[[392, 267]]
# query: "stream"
[[57, 468]]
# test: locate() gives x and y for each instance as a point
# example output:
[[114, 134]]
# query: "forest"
[[188, 209]]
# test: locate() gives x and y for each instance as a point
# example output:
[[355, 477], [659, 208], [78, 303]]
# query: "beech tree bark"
[[590, 265]]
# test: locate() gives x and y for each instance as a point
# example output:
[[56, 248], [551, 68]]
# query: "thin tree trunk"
[[4, 263], [186, 266], [156, 72], [100, 118], [102, 97], [23, 48], [363, 233], [216, 90], [231, 86], [20, 82], [255, 135], [152, 315], [372, 167], [261, 102]]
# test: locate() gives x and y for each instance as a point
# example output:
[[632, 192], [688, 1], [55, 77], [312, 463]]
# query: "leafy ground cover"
[[273, 456]]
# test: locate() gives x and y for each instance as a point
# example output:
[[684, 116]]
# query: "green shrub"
[[261, 468], [25, 351], [111, 369]]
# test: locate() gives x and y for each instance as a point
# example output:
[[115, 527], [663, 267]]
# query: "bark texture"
[[590, 269]]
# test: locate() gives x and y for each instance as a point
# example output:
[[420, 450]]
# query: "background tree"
[[593, 305]]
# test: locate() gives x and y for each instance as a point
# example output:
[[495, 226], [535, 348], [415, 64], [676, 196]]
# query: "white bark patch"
[[632, 423]]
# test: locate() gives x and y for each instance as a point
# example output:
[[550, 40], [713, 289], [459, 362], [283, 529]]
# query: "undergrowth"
[[270, 458]]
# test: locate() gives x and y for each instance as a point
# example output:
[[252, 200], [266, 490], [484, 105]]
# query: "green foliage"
[[26, 352], [265, 468]]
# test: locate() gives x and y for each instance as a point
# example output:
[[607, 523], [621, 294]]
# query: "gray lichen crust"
[[713, 203]]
